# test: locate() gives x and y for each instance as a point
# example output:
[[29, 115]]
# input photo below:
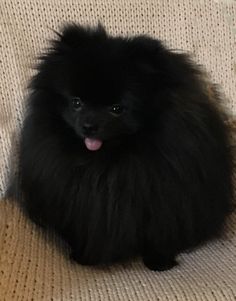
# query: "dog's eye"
[[116, 109], [77, 103]]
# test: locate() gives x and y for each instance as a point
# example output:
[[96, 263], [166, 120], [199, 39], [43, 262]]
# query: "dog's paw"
[[159, 263], [75, 257]]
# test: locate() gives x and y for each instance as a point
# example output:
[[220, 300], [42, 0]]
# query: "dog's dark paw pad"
[[74, 256], [161, 264]]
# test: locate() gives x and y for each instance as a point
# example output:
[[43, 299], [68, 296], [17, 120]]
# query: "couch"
[[33, 264]]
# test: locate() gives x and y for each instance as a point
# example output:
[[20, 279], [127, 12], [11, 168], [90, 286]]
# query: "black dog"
[[123, 153]]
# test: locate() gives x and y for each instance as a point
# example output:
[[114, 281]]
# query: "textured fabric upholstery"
[[33, 265]]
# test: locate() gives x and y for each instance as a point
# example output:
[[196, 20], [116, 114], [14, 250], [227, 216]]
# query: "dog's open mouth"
[[93, 144]]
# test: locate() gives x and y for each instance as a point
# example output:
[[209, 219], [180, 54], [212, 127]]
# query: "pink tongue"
[[93, 144]]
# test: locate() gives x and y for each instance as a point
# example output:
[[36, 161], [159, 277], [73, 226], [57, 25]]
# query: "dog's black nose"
[[89, 128]]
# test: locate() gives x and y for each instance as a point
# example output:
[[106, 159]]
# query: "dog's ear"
[[74, 35], [145, 54], [152, 60]]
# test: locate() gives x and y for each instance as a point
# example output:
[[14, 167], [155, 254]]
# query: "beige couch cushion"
[[31, 267], [34, 267]]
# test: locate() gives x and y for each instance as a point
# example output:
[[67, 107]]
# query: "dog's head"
[[104, 87]]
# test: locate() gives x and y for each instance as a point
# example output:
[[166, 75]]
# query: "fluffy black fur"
[[159, 184]]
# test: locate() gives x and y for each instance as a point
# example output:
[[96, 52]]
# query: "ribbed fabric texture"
[[35, 266], [32, 265]]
